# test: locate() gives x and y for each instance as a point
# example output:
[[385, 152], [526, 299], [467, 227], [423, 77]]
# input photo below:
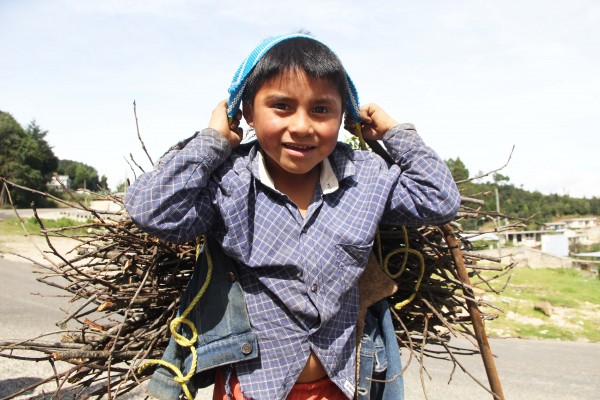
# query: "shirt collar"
[[328, 180]]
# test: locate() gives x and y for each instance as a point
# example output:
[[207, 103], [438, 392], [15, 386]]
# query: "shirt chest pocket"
[[350, 262]]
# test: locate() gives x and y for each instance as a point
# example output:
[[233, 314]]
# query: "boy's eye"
[[321, 109], [280, 106]]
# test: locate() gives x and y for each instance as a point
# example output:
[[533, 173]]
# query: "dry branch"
[[128, 285]]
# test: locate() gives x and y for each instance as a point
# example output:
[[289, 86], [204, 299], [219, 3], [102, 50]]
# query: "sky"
[[475, 77]]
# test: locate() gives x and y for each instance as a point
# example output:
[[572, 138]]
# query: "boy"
[[297, 211]]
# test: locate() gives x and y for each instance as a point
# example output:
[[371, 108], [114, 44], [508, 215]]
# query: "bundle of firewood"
[[127, 286]]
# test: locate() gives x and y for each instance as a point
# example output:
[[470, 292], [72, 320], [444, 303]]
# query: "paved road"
[[50, 213], [531, 370]]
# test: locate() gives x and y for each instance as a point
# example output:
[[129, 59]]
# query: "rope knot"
[[181, 379]]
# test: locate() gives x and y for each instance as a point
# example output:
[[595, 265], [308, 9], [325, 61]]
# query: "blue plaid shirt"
[[299, 274]]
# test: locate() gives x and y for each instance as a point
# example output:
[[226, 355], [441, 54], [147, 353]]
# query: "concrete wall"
[[105, 206], [528, 257]]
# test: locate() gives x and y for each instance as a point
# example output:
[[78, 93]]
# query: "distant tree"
[[41, 156], [82, 175], [122, 187], [26, 159], [103, 183], [457, 168], [499, 178], [353, 142], [11, 134]]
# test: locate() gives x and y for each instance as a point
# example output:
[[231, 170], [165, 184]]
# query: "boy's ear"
[[248, 115]]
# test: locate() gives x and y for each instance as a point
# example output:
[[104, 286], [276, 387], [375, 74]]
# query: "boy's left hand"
[[375, 122]]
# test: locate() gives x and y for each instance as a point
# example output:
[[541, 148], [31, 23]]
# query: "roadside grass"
[[575, 300], [12, 226]]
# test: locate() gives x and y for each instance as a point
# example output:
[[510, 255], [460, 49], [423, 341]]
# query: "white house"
[[555, 226], [536, 238], [581, 223], [55, 182]]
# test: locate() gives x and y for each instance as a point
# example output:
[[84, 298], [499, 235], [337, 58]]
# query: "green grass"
[[12, 226], [560, 287], [574, 296]]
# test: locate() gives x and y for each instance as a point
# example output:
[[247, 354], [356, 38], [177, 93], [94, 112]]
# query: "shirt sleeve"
[[425, 192], [174, 202]]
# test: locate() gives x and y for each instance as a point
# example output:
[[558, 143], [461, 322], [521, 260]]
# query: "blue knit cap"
[[239, 79]]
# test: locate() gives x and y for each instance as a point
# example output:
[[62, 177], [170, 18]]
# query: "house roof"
[[595, 254]]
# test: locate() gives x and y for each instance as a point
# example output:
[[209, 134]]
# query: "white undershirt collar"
[[327, 179]]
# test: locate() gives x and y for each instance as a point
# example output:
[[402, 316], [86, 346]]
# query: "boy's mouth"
[[298, 147]]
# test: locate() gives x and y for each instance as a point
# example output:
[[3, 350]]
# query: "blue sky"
[[475, 77]]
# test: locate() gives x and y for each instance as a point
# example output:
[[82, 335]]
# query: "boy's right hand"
[[219, 122]]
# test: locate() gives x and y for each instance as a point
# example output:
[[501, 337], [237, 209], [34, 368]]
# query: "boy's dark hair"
[[308, 55]]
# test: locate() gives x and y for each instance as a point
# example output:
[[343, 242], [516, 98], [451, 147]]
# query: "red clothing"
[[323, 389]]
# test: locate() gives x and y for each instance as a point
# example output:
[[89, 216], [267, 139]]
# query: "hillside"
[[517, 201]]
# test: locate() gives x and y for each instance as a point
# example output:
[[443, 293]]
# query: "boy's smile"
[[297, 119]]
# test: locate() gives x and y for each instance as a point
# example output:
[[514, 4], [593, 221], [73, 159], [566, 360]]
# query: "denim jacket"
[[226, 337]]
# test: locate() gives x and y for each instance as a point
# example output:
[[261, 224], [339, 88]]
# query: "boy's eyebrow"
[[282, 97]]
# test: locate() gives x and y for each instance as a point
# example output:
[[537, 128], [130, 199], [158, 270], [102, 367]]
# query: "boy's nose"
[[301, 123]]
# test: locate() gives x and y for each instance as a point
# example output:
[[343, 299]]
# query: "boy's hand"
[[219, 122], [375, 122]]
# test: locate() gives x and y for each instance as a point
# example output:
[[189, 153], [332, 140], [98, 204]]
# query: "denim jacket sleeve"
[[379, 357], [221, 318]]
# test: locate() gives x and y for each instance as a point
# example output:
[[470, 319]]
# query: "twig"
[[490, 172], [139, 136]]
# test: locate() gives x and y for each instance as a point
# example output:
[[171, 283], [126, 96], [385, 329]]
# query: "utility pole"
[[3, 196], [498, 223]]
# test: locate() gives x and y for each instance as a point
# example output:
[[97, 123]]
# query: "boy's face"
[[297, 119]]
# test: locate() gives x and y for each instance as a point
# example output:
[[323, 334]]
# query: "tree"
[[82, 176], [499, 178], [122, 187], [457, 168], [26, 159], [11, 134], [41, 157], [103, 183]]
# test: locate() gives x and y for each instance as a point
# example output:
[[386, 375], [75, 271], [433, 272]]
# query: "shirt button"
[[304, 230], [230, 276], [313, 288], [246, 348]]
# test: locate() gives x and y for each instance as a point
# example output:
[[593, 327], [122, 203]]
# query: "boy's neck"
[[299, 189]]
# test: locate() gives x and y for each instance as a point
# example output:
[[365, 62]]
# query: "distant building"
[[536, 239], [557, 245], [581, 223], [555, 226], [55, 182]]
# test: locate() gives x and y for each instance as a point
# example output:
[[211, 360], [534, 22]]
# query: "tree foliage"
[[457, 168], [26, 159], [518, 202], [82, 175], [11, 135]]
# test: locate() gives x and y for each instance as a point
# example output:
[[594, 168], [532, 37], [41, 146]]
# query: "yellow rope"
[[361, 140], [406, 250], [181, 340]]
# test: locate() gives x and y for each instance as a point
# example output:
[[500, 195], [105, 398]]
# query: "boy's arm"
[[425, 191], [173, 202]]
